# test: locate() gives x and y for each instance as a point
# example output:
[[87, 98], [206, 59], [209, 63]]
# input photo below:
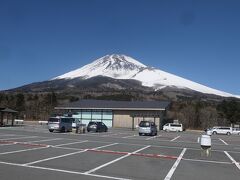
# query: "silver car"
[[147, 128], [62, 124], [236, 131], [220, 130]]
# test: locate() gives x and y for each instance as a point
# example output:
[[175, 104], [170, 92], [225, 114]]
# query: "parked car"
[[220, 130], [173, 127], [147, 128], [94, 126], [60, 123], [236, 131]]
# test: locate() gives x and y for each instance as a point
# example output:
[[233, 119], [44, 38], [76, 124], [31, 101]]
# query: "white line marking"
[[70, 143], [25, 137], [174, 167], [223, 141], [233, 160], [115, 160], [24, 150], [63, 171], [68, 148], [69, 154], [108, 135], [10, 135], [205, 161], [55, 157], [130, 136], [175, 138], [44, 140], [105, 146], [151, 138]]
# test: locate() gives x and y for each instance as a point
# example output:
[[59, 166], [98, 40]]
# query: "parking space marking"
[[175, 138], [206, 161], [223, 142], [55, 157], [115, 160], [129, 136], [174, 167], [64, 155], [10, 135], [24, 137], [62, 171], [105, 146], [153, 137], [233, 160], [44, 140], [23, 150], [78, 142], [109, 135]]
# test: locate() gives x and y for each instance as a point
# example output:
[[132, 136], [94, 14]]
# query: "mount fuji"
[[122, 67]]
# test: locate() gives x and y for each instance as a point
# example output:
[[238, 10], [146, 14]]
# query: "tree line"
[[194, 113]]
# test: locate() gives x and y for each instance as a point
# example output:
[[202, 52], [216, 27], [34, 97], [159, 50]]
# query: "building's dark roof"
[[120, 105], [7, 110]]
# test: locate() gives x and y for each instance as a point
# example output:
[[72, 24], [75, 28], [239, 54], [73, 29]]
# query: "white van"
[[173, 127]]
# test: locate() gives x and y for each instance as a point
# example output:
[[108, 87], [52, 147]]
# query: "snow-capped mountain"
[[124, 67]]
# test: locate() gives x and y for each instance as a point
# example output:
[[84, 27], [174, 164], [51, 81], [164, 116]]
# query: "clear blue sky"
[[198, 40]]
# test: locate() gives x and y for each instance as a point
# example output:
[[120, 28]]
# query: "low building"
[[125, 114], [7, 114]]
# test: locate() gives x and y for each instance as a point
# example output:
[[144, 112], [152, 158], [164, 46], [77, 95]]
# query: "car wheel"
[[214, 132], [50, 130], [238, 133], [140, 134], [228, 133]]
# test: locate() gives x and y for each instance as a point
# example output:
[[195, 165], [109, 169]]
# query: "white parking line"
[[115, 160], [108, 135], [153, 137], [129, 136], [78, 142], [64, 155], [175, 138], [174, 167], [44, 140], [23, 150], [105, 146], [55, 157], [24, 137], [233, 160], [206, 161], [10, 135], [223, 142], [62, 171]]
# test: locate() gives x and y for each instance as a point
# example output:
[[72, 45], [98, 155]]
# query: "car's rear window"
[[144, 124], [53, 120]]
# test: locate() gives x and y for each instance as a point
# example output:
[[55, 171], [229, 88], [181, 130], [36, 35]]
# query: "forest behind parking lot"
[[194, 113]]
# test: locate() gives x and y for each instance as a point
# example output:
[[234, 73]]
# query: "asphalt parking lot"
[[32, 151]]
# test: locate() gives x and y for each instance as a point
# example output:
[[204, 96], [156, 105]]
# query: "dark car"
[[96, 127]]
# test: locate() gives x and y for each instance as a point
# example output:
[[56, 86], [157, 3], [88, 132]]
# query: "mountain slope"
[[124, 67]]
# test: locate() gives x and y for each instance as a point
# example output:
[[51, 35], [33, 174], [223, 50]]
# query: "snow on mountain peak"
[[115, 66], [124, 67]]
